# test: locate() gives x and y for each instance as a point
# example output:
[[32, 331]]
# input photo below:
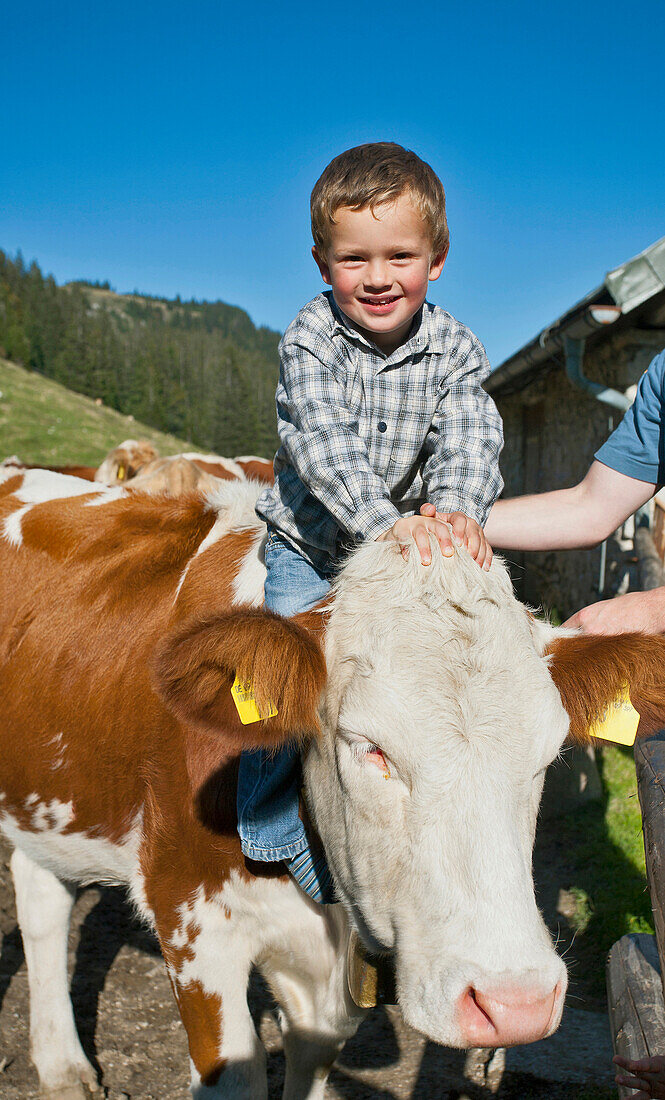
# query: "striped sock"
[[313, 876]]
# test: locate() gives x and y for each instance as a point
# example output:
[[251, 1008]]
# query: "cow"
[[174, 476], [228, 469], [85, 472], [130, 458], [428, 701], [261, 469], [196, 473], [125, 461]]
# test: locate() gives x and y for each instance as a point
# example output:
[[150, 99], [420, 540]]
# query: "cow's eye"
[[373, 755], [366, 753]]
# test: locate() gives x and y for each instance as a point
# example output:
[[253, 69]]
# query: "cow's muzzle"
[[508, 1014]]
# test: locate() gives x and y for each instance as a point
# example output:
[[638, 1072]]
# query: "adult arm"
[[580, 516], [628, 466], [577, 517]]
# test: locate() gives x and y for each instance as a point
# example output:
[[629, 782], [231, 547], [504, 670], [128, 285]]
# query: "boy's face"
[[378, 265]]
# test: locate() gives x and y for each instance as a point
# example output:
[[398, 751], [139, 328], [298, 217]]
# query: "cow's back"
[[88, 587]]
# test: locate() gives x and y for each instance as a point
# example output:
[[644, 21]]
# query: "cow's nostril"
[[475, 998], [475, 1013]]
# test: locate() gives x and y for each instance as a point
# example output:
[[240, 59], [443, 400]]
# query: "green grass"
[[41, 421]]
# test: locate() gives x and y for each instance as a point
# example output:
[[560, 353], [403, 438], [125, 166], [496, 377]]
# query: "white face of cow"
[[439, 721]]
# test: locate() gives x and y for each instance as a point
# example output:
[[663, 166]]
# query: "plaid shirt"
[[367, 437]]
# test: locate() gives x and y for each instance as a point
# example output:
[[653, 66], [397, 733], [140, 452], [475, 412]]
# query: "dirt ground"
[[130, 1029]]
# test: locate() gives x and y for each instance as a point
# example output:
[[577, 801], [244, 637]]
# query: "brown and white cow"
[[130, 459], [230, 469], [179, 474], [173, 476], [85, 472], [258, 469], [124, 461], [429, 712]]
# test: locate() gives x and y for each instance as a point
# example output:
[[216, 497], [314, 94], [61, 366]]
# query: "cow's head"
[[443, 705], [124, 461]]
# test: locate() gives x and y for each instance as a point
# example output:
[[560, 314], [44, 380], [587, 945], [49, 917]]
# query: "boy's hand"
[[419, 528], [466, 533], [647, 1075]]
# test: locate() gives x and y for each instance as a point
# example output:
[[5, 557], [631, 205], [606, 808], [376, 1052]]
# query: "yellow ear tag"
[[120, 473], [618, 722], [243, 697]]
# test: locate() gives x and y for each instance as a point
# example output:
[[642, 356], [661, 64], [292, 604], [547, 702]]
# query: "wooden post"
[[635, 999], [650, 767], [659, 525], [650, 567]]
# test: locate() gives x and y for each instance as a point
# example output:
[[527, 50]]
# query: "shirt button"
[[382, 426]]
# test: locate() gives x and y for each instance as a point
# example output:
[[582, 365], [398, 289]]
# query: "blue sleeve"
[[637, 446]]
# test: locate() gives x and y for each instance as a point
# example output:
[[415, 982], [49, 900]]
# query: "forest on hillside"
[[199, 370]]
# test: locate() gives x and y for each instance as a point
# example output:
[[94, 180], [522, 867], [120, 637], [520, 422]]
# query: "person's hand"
[[640, 611], [419, 528], [647, 1075], [466, 532]]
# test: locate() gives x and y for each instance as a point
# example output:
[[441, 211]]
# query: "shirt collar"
[[425, 334]]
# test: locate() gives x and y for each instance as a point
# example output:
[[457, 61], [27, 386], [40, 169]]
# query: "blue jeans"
[[269, 779]]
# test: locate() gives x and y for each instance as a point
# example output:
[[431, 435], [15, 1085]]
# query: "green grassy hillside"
[[199, 370], [41, 421]]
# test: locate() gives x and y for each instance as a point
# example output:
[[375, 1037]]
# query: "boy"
[[379, 404]]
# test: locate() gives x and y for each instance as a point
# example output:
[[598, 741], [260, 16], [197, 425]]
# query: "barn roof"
[[628, 290]]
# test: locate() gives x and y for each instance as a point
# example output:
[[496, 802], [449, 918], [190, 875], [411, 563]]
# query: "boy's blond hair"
[[371, 174]]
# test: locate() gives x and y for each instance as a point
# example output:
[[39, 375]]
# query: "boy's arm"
[[462, 471], [320, 436], [580, 516]]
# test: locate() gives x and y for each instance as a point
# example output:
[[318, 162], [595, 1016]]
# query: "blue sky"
[[172, 148]]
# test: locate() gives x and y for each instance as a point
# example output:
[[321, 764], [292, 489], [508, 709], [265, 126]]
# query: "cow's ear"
[[196, 665], [591, 670]]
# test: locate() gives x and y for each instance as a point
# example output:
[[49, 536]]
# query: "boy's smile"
[[378, 265]]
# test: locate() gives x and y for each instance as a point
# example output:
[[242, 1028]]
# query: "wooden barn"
[[560, 397]]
